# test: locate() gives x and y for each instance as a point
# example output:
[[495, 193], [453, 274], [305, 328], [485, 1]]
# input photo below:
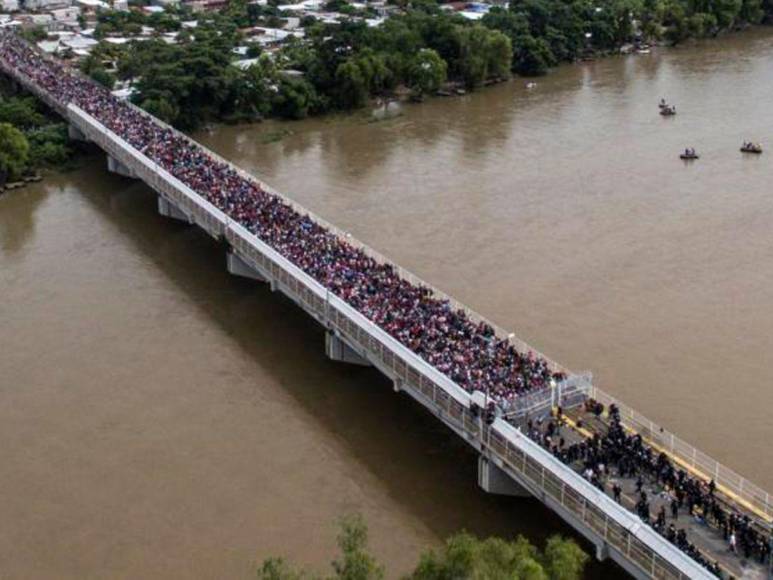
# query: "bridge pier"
[[602, 552], [492, 479], [115, 166], [168, 209], [336, 349], [76, 134], [239, 267]]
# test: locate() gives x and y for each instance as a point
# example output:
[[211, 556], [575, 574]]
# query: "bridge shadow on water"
[[422, 464]]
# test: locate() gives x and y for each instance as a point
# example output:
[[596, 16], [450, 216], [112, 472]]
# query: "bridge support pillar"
[[75, 134], [492, 479], [115, 166], [168, 209], [602, 552], [336, 349], [239, 267]]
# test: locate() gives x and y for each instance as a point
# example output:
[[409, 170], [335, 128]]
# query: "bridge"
[[514, 436]]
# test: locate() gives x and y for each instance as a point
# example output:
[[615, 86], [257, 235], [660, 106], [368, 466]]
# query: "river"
[[160, 418]]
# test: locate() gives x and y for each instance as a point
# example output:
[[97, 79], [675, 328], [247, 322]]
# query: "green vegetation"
[[14, 153], [29, 139], [342, 66], [463, 557]]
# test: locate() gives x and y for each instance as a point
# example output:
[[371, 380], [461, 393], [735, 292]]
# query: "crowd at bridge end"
[[663, 495], [468, 352]]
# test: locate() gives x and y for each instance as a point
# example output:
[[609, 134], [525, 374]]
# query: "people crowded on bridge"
[[466, 351], [611, 455]]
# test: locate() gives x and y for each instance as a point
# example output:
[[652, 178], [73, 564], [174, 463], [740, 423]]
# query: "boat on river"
[[668, 110], [755, 148], [689, 154]]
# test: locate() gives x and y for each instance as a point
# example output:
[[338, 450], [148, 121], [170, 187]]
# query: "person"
[[617, 492], [733, 542], [674, 509], [661, 521]]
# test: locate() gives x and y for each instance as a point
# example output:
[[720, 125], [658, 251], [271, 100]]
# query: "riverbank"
[[33, 140]]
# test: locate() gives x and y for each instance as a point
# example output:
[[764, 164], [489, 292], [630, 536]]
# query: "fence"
[[755, 499]]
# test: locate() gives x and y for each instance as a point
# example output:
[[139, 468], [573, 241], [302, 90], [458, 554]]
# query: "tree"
[[462, 557], [355, 562], [533, 56], [352, 85], [14, 151], [49, 145], [161, 108], [103, 77], [499, 53], [21, 112], [278, 569], [294, 99], [564, 560], [426, 72], [466, 557]]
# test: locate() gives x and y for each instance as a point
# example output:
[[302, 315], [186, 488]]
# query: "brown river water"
[[160, 418]]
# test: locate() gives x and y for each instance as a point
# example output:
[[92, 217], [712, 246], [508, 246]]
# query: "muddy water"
[[162, 419], [563, 213]]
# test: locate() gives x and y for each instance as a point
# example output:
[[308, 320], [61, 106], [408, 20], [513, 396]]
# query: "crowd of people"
[[609, 458], [469, 353]]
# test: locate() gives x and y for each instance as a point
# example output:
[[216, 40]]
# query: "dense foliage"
[[342, 66], [463, 557], [29, 139]]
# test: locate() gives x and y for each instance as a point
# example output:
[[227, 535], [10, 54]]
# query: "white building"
[[46, 5], [9, 5], [66, 15]]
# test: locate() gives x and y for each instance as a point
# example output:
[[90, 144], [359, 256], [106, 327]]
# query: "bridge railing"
[[556, 483], [747, 494]]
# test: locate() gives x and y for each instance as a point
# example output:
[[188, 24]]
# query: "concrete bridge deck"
[[510, 462]]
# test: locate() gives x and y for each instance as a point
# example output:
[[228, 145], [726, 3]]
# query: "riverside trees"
[[462, 557], [29, 139], [345, 64]]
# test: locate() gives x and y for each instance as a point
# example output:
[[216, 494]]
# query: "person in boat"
[[663, 104]]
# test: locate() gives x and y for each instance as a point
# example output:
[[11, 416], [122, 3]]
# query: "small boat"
[[689, 155], [755, 148], [668, 110], [531, 85]]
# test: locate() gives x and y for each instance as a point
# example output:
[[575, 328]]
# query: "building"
[[66, 15]]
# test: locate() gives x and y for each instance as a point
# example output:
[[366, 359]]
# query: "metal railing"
[[752, 497]]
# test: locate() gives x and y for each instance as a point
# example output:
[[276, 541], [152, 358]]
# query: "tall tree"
[[14, 152]]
